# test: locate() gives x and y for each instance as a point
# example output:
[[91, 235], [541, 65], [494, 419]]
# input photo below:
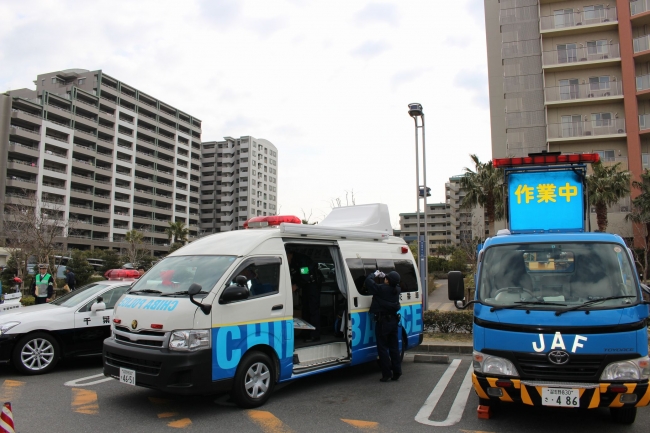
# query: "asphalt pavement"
[[77, 398], [438, 299]]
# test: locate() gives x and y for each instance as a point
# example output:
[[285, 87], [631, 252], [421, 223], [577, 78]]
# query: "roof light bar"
[[121, 274], [270, 221], [542, 159]]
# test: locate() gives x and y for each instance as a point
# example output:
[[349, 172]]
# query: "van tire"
[[255, 375], [623, 415], [36, 353]]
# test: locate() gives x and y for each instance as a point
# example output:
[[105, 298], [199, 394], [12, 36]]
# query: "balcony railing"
[[586, 128], [639, 6], [575, 19], [581, 54], [583, 91]]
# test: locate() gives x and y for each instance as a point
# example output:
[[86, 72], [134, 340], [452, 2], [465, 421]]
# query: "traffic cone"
[[7, 419]]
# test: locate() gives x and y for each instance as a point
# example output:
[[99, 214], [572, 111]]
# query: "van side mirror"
[[194, 290], [455, 286], [234, 293]]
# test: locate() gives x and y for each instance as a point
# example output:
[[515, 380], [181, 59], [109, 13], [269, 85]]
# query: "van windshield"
[[561, 275], [176, 274]]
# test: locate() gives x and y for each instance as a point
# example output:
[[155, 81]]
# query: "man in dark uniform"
[[43, 286], [303, 276], [385, 306]]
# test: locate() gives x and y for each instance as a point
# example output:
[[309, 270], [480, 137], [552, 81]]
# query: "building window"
[[599, 83], [645, 160], [569, 89], [563, 18], [596, 12], [597, 47], [601, 119], [81, 81], [606, 155]]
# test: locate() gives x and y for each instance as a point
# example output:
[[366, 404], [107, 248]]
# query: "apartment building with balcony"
[[239, 180], [109, 156], [572, 76], [446, 223]]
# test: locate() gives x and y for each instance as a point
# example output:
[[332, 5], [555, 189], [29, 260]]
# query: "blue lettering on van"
[[230, 343], [148, 304], [363, 326]]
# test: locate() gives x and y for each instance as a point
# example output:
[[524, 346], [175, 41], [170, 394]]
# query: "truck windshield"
[[176, 274], [568, 274]]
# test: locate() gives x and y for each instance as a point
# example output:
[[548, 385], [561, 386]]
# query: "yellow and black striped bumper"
[[591, 396]]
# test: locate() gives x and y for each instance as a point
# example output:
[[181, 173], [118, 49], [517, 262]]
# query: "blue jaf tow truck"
[[559, 316]]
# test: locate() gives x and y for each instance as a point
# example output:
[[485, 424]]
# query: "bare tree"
[[305, 218], [36, 228], [350, 200], [135, 250]]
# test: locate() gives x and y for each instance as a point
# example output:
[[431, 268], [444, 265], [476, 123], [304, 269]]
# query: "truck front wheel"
[[623, 415], [254, 380]]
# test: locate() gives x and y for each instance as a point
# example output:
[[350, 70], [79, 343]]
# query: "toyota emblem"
[[134, 325], [558, 357]]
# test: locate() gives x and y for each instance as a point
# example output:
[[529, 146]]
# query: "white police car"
[[35, 338]]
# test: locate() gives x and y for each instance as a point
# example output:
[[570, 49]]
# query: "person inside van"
[[254, 285], [303, 277]]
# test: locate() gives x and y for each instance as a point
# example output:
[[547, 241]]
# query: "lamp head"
[[415, 109]]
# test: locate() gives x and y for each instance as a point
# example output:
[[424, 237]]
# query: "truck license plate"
[[561, 397], [127, 376]]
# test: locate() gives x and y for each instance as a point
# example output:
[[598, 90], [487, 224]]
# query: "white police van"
[[35, 338], [218, 315]]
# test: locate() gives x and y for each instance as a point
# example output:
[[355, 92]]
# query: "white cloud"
[[327, 82]]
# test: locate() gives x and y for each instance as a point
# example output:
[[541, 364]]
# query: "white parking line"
[[76, 382], [457, 408]]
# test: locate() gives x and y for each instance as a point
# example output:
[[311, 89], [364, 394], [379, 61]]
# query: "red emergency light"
[[121, 274], [542, 159], [269, 221]]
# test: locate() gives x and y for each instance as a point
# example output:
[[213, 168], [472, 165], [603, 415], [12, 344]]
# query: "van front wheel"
[[254, 380]]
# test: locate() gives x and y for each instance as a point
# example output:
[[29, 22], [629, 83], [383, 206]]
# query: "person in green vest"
[[43, 286]]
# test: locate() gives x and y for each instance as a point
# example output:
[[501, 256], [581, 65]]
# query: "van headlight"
[[631, 369], [189, 340], [4, 327], [489, 364]]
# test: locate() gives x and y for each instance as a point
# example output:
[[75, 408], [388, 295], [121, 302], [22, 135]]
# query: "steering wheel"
[[513, 289]]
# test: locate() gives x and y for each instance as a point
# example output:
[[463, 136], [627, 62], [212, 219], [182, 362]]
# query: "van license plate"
[[127, 376], [561, 397]]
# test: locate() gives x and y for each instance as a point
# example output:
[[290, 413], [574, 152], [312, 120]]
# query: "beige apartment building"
[[239, 180], [447, 224], [572, 76], [109, 156]]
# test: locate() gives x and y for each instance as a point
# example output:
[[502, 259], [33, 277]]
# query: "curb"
[[455, 349]]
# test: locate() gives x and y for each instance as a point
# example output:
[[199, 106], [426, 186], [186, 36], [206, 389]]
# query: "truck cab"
[[559, 314]]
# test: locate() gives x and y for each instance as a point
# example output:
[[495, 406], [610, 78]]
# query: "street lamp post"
[[415, 111]]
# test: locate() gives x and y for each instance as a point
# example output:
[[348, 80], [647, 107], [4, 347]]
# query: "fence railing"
[[581, 54], [578, 18]]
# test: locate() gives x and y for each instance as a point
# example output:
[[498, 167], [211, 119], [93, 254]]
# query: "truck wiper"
[[145, 291], [182, 292], [593, 301], [523, 304]]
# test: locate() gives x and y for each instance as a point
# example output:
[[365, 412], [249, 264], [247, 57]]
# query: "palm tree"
[[177, 232], [640, 216], [606, 186], [484, 187]]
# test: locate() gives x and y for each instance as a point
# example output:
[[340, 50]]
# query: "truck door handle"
[[277, 307]]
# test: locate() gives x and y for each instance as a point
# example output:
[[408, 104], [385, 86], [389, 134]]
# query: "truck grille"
[[579, 367], [145, 338], [139, 365]]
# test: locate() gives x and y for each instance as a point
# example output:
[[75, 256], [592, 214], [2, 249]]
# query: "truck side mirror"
[[234, 293], [455, 286]]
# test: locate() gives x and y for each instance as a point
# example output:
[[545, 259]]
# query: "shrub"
[[448, 321], [95, 278], [27, 301]]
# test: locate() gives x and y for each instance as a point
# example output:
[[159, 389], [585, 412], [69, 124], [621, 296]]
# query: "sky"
[[326, 81]]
